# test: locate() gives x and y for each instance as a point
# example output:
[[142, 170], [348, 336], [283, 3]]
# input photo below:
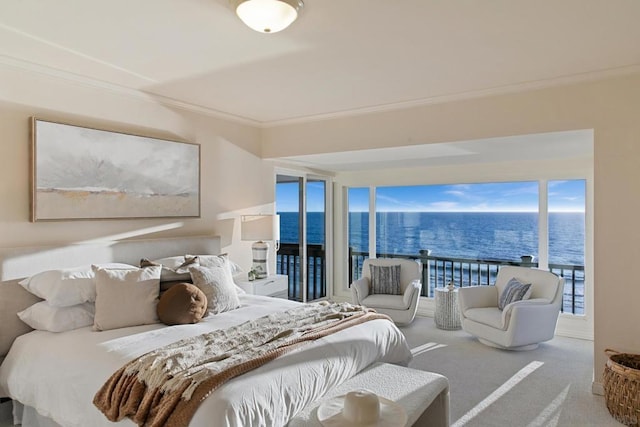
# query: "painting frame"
[[91, 173]]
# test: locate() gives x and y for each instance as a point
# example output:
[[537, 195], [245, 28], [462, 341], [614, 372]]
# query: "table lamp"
[[261, 229]]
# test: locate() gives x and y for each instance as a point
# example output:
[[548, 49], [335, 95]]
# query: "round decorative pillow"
[[182, 303]]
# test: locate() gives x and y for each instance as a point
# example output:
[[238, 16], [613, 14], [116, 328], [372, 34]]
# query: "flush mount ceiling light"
[[267, 16]]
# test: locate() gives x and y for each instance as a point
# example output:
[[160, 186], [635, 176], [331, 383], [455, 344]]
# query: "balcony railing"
[[288, 262], [438, 271]]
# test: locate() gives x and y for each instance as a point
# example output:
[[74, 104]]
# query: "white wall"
[[609, 107], [234, 180]]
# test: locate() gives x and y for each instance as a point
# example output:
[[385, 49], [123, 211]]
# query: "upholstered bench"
[[423, 395]]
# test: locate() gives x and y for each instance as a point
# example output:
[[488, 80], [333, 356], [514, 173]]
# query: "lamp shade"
[[267, 16], [260, 227]]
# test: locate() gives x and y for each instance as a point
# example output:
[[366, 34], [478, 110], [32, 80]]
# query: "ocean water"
[[469, 235], [473, 235]]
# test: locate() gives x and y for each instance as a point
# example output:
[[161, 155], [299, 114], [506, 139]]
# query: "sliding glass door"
[[301, 202]]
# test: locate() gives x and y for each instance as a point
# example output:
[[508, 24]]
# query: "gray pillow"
[[385, 279], [514, 291]]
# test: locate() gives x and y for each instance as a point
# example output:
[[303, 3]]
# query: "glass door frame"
[[302, 217]]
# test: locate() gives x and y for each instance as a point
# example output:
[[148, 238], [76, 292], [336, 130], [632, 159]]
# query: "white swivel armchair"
[[520, 325], [401, 308]]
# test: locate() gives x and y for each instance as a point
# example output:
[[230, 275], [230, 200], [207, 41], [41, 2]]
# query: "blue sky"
[[287, 197], [564, 196]]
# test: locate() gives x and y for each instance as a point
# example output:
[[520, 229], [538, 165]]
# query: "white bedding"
[[59, 373]]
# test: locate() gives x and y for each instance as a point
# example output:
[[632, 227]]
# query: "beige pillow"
[[126, 297], [218, 286], [175, 268]]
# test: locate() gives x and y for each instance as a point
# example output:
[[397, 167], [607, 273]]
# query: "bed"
[[55, 376]]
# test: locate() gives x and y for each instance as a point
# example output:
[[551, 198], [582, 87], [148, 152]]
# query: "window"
[[566, 201], [464, 232], [358, 223], [480, 221]]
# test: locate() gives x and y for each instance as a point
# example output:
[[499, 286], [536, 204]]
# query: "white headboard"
[[17, 263]]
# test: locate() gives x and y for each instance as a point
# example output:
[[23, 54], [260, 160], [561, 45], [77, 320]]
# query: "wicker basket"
[[621, 381]]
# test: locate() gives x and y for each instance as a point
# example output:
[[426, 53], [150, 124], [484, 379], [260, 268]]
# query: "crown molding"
[[499, 90], [122, 90], [186, 106]]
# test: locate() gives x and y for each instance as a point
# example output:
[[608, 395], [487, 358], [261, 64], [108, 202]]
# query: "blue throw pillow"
[[514, 291], [385, 279]]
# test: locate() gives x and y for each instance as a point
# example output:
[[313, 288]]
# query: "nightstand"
[[276, 285]]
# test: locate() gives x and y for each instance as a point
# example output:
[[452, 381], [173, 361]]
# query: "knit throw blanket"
[[165, 386]]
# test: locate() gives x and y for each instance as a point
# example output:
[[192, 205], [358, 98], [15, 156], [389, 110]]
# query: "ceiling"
[[545, 146], [340, 57]]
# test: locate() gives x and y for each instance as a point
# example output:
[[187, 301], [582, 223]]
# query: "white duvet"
[[59, 373]]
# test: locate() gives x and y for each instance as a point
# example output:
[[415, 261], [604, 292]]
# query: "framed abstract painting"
[[81, 173]]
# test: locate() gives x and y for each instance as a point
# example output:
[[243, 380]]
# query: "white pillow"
[[45, 317], [218, 286], [125, 297], [66, 287]]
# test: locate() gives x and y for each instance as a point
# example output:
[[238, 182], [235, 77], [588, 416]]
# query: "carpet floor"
[[548, 386]]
